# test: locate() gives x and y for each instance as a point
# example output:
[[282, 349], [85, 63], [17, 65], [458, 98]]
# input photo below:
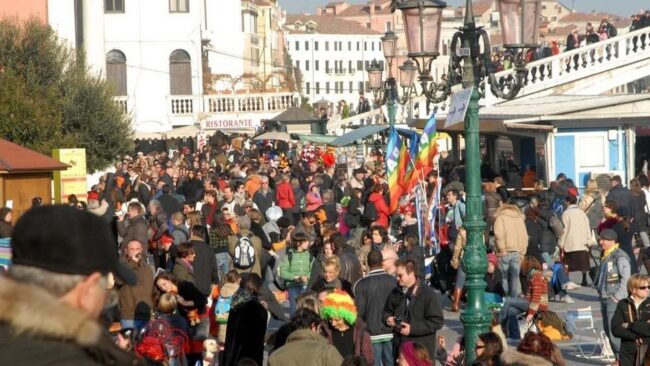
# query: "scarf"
[[609, 251]]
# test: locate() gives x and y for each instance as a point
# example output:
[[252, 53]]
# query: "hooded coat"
[[36, 328], [305, 347], [510, 230]]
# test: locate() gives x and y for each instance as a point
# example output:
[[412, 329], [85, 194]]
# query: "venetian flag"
[[393, 153]]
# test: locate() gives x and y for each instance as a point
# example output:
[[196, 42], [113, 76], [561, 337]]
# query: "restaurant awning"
[[317, 139], [358, 134]]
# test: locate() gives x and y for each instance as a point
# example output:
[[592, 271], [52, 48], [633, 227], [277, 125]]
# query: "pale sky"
[[620, 7]]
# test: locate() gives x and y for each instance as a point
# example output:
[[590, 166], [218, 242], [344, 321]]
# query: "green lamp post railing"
[[470, 64]]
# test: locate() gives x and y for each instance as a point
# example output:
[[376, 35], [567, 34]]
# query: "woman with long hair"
[[630, 320], [536, 301], [488, 349]]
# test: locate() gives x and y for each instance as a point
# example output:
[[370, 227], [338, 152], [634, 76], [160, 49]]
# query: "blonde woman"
[[592, 204], [630, 321]]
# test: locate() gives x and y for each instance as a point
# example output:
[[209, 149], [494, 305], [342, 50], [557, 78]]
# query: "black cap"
[[608, 234], [66, 240], [359, 170]]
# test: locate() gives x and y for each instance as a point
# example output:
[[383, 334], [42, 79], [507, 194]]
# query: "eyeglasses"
[[479, 346], [644, 287]]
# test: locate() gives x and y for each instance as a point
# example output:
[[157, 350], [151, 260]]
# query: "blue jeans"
[[383, 353], [607, 308], [460, 277], [510, 265], [133, 324], [294, 292], [508, 316], [223, 265], [561, 279]]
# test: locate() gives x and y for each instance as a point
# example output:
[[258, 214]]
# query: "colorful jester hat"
[[339, 305]]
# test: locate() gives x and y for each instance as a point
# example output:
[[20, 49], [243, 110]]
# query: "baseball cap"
[[65, 240]]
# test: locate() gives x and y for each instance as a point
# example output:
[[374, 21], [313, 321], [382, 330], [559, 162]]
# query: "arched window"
[[116, 71], [180, 73]]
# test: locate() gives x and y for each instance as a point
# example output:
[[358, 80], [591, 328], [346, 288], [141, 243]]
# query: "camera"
[[398, 325]]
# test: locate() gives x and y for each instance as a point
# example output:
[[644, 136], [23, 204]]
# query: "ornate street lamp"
[[470, 63], [387, 91]]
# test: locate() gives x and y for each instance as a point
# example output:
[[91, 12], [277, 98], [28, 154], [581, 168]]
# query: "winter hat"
[[609, 234], [408, 352], [339, 305], [92, 195], [492, 258]]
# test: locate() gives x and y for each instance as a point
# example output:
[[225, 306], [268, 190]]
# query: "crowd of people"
[[215, 240]]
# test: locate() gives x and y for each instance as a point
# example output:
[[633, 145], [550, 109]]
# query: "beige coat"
[[577, 232], [461, 239], [305, 347], [510, 230]]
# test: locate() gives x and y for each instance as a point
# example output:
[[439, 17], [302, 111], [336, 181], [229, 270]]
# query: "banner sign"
[[73, 179], [230, 123]]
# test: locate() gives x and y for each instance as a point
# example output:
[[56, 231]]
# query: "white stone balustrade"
[[240, 103], [336, 122], [123, 103], [584, 62]]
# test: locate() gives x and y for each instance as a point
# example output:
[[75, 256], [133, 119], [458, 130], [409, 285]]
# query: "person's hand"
[[614, 299], [502, 254], [263, 303], [182, 301], [442, 342], [390, 321], [529, 318], [123, 342], [304, 279], [406, 329]]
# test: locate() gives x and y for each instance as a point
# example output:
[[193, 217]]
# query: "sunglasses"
[[643, 287], [479, 346]]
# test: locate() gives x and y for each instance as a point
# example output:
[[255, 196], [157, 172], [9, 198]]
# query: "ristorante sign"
[[223, 123]]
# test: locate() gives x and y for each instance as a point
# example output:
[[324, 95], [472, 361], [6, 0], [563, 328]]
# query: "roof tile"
[[327, 24]]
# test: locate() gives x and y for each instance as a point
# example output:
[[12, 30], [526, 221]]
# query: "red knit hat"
[[92, 195]]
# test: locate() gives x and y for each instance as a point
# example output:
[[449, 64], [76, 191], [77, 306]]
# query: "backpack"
[[222, 309], [370, 213], [558, 205], [181, 228], [556, 225], [244, 257]]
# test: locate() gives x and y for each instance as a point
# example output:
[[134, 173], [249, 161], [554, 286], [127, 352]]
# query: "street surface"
[[583, 297]]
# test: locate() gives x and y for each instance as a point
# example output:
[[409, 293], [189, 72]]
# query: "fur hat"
[[516, 358], [339, 305]]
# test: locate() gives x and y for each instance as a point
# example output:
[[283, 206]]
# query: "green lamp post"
[[470, 65]]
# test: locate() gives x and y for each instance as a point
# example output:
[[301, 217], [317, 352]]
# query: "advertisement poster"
[[72, 180]]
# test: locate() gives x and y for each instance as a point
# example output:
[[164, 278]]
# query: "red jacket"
[[284, 195], [382, 209]]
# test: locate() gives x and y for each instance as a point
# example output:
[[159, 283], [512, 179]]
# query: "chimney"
[[319, 11], [371, 5]]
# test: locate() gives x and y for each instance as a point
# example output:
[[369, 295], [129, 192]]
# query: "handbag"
[[593, 270]]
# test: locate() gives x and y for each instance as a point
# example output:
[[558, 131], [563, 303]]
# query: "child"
[[222, 308]]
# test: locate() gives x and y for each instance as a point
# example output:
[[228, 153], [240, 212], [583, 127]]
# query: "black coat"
[[534, 230], [169, 204], [205, 267], [264, 201], [370, 294], [245, 333], [621, 195], [423, 312], [637, 327]]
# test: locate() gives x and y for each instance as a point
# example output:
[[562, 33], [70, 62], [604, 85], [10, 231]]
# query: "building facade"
[[332, 55]]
